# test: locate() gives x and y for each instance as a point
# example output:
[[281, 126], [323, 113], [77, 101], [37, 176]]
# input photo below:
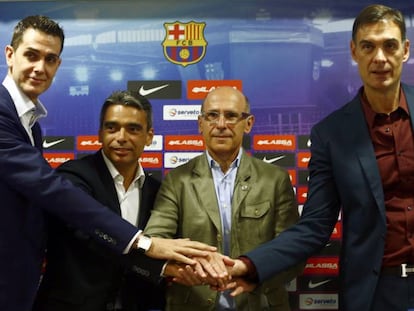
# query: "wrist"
[[143, 243]]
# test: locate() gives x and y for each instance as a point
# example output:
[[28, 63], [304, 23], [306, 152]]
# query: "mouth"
[[380, 72], [121, 151], [37, 80]]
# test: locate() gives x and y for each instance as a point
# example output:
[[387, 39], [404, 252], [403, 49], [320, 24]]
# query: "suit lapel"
[[108, 183], [8, 107], [409, 95], [243, 183], [203, 187], [361, 142], [149, 191], [37, 136]]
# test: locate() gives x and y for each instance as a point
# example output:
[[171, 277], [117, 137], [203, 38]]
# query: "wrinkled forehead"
[[382, 28]]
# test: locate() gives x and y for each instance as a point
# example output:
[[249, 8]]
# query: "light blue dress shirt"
[[224, 186]]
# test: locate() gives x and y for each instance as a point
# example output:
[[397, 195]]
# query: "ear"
[[352, 47], [249, 124], [9, 52], [406, 50], [200, 124], [150, 136], [100, 135]]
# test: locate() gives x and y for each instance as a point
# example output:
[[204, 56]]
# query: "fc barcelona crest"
[[184, 43]]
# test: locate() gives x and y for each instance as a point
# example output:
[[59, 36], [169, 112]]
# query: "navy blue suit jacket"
[[343, 174], [80, 274], [28, 188]]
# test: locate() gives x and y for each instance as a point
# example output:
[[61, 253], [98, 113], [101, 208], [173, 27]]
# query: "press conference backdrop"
[[290, 57]]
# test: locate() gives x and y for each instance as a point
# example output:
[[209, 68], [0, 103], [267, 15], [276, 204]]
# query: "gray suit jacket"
[[263, 206]]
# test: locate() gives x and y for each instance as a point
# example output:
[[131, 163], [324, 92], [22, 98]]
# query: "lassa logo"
[[322, 266], [303, 159], [301, 194], [88, 143], [184, 142], [337, 231], [151, 160], [56, 159], [198, 89], [274, 142]]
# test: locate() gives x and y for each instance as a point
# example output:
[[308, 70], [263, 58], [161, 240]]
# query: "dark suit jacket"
[[80, 275], [28, 188], [343, 173]]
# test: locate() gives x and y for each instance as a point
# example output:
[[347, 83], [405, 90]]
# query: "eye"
[[367, 47], [135, 129], [231, 116], [52, 59], [391, 46], [31, 56], [110, 127], [212, 115]]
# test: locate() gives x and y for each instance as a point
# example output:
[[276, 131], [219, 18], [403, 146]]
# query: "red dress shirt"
[[393, 142]]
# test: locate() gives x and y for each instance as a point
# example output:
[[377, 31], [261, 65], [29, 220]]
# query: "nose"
[[221, 122], [40, 66], [379, 56], [121, 134]]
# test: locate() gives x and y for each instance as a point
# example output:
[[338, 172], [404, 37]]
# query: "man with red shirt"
[[363, 164]]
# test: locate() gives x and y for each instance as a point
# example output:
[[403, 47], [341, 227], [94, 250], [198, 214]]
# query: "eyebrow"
[[39, 52], [373, 41]]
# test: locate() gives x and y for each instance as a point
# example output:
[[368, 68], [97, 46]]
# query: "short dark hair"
[[37, 22], [127, 98], [375, 13]]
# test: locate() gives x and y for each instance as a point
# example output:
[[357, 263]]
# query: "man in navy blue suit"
[[29, 186], [363, 164]]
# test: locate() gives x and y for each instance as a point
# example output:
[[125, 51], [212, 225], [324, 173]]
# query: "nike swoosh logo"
[[273, 160], [145, 92], [317, 284], [52, 143]]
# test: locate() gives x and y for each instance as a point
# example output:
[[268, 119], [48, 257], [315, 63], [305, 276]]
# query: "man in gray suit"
[[227, 199]]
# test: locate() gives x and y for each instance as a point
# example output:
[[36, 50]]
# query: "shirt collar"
[[235, 163], [370, 115], [139, 175], [23, 103]]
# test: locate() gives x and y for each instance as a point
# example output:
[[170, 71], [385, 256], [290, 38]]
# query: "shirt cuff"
[[129, 246]]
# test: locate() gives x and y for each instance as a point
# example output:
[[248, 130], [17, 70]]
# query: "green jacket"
[[263, 206]]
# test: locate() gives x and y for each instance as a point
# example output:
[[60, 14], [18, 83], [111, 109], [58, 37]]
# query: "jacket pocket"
[[255, 210]]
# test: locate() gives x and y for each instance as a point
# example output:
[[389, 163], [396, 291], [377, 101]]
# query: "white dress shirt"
[[129, 199]]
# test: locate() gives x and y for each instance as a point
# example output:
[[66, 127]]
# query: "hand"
[[211, 270], [214, 265], [183, 274], [180, 250], [239, 268], [239, 286]]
